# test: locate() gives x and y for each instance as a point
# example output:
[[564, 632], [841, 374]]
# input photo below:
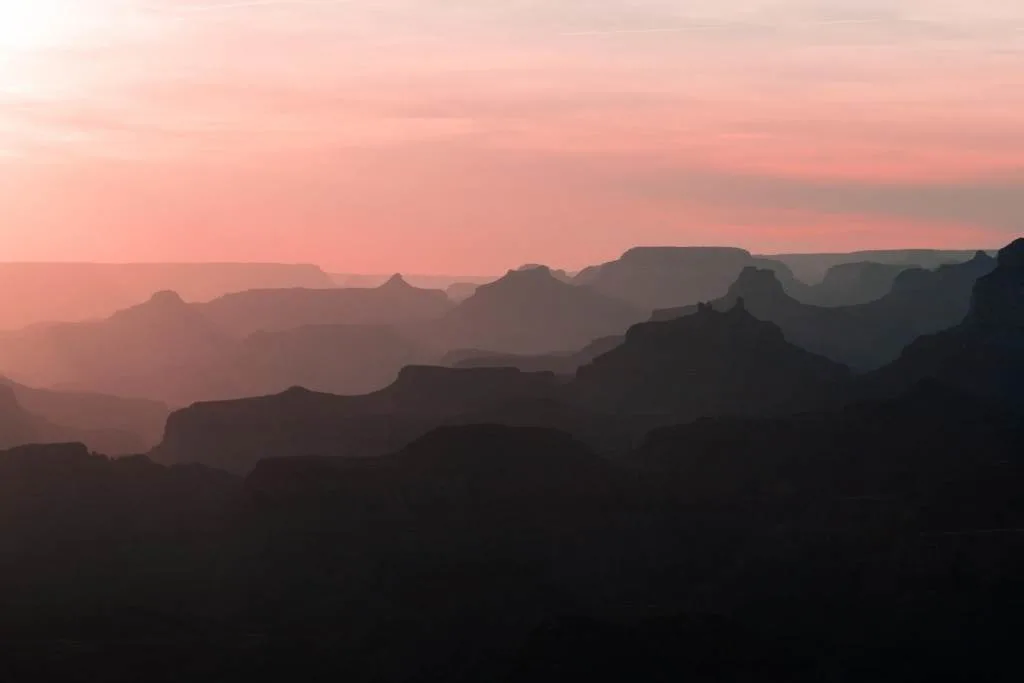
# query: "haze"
[[383, 135]]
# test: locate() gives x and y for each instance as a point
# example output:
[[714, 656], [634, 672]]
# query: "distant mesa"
[[394, 302], [660, 277], [95, 290]]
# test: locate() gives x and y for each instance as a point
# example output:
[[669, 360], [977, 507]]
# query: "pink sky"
[[472, 136]]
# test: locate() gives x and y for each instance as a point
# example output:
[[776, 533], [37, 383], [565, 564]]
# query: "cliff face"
[[998, 298]]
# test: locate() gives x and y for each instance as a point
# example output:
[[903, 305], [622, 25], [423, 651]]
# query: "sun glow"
[[33, 24]]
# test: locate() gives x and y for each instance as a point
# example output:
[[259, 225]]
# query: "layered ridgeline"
[[848, 284], [564, 363], [813, 268], [138, 423], [492, 539], [864, 336], [532, 311], [116, 433], [984, 355], [235, 435], [143, 351], [708, 364], [660, 277], [80, 291], [518, 554], [340, 340], [394, 302], [250, 343]]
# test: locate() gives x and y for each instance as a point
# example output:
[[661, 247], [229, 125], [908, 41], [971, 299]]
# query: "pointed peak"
[[396, 281]]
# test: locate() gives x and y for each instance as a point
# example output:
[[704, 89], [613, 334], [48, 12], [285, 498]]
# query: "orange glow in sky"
[[440, 136]]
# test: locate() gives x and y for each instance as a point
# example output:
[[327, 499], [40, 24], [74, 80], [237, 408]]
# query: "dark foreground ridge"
[[847, 541], [707, 497]]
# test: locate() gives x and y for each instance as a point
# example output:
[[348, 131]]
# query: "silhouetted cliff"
[[984, 355], [868, 335]]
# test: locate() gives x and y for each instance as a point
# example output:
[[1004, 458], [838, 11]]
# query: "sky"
[[470, 136]]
